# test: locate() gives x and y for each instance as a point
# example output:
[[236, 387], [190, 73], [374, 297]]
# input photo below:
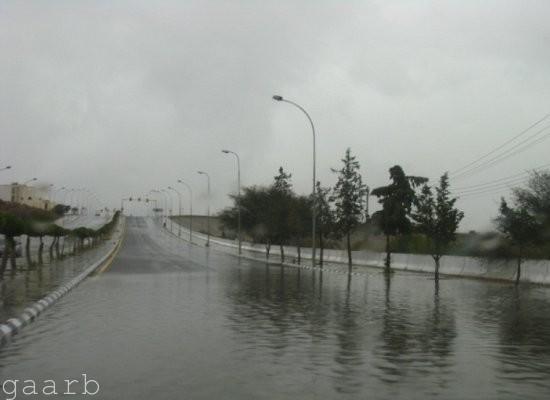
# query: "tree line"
[[276, 215], [18, 219]]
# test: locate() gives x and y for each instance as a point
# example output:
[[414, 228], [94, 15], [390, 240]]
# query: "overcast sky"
[[123, 97]]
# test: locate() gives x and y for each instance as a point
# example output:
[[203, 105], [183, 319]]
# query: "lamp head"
[[277, 98], [225, 151]]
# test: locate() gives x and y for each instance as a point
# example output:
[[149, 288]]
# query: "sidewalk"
[[26, 285]]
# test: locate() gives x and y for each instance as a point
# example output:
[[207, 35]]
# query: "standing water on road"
[[173, 321]]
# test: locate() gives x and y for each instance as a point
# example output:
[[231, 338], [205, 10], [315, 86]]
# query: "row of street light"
[[168, 198]]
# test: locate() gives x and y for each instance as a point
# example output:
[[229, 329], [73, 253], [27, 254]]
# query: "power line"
[[507, 179], [493, 186], [485, 192], [523, 132], [507, 154]]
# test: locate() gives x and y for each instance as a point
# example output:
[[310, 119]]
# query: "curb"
[[14, 325], [279, 263]]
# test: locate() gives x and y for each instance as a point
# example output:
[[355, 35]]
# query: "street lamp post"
[[167, 193], [208, 217], [55, 192], [190, 209], [157, 192], [68, 200], [179, 207], [313, 209], [238, 196], [29, 181]]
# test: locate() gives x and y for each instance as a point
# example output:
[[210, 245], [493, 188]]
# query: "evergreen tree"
[[278, 215], [437, 218], [282, 182], [348, 196], [326, 220], [396, 199]]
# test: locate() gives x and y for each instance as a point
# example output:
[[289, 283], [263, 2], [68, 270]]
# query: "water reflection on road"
[[173, 321]]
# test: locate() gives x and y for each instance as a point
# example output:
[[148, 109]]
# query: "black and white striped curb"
[[14, 325]]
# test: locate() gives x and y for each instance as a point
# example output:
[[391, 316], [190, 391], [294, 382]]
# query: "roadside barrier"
[[532, 271]]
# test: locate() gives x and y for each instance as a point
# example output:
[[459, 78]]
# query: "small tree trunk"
[[321, 250], [12, 253], [282, 253], [4, 257], [57, 253], [436, 259], [267, 250], [348, 240], [40, 249], [388, 255], [28, 251], [52, 245], [518, 274], [299, 255]]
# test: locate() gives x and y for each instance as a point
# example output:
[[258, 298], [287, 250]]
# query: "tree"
[[396, 199], [10, 226], [60, 209], [348, 196], [277, 214], [535, 199], [437, 218], [282, 182], [520, 227], [254, 204], [326, 220], [299, 221]]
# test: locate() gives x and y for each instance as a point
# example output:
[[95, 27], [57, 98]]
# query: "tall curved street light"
[[190, 209], [24, 184], [158, 193], [55, 192], [179, 206], [169, 197], [67, 193], [313, 211], [29, 181], [164, 202], [208, 217], [165, 205], [238, 196]]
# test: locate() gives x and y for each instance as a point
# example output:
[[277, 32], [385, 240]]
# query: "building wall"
[[29, 195]]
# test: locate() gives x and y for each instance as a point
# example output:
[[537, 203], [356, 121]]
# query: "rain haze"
[[125, 97]]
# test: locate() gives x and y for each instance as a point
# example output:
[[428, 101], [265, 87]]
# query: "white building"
[[34, 196]]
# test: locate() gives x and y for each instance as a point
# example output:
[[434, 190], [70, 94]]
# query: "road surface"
[[173, 321]]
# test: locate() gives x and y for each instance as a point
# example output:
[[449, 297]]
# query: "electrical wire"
[[472, 165], [507, 154]]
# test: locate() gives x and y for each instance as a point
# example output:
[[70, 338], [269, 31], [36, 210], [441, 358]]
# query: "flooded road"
[[172, 321]]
